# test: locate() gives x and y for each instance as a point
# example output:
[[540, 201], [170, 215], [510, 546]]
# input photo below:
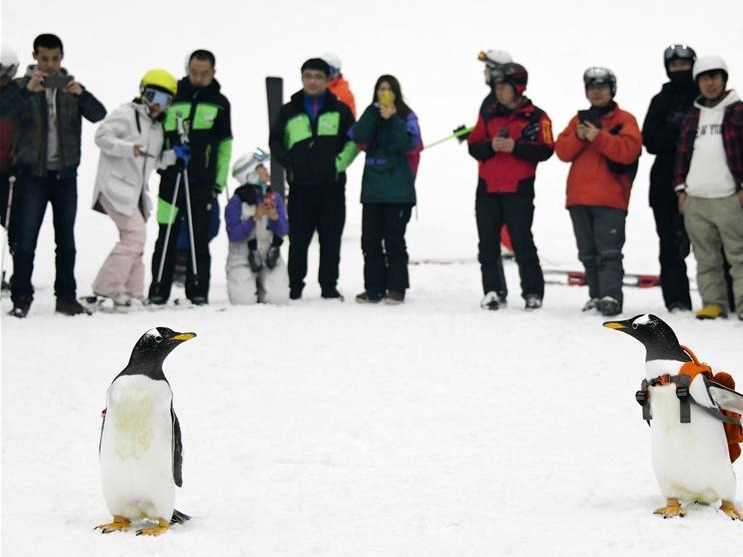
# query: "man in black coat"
[[660, 133], [310, 140]]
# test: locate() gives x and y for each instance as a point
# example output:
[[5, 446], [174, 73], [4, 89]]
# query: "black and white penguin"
[[140, 447], [691, 460]]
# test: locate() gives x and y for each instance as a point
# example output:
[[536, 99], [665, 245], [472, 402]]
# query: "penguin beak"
[[618, 325], [182, 337]]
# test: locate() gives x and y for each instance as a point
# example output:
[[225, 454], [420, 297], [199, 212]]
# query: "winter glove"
[[681, 238], [182, 154]]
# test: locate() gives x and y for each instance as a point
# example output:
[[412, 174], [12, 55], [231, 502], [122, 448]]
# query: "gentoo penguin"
[[691, 460], [140, 447]]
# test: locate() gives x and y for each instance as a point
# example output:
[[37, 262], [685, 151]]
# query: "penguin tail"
[[179, 517]]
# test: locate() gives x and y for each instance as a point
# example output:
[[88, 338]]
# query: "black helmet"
[[514, 74], [678, 52], [597, 75]]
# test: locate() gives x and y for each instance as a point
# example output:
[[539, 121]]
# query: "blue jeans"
[[32, 193]]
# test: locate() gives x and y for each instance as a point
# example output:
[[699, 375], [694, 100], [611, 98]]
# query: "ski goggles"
[[483, 57], [678, 51], [155, 96], [598, 75]]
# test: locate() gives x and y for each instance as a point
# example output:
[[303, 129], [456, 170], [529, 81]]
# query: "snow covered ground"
[[329, 429]]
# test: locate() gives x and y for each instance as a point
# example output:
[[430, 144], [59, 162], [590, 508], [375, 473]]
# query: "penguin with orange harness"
[[694, 417]]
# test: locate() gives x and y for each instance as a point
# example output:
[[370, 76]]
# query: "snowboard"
[[275, 100]]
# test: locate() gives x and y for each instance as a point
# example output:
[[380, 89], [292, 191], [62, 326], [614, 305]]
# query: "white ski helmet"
[[8, 62], [494, 57], [709, 63], [334, 61], [245, 168]]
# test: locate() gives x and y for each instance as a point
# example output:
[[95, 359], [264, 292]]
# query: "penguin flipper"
[[177, 450], [724, 398]]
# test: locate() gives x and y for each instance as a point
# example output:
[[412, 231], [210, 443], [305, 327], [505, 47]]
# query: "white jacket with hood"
[[122, 178]]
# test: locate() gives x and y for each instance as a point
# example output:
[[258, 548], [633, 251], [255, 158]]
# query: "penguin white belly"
[[691, 461], [137, 449]]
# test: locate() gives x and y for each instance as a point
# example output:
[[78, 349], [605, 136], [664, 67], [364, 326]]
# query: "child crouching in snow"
[[256, 224]]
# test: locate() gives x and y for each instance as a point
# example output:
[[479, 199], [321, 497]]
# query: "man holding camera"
[[198, 128], [46, 149]]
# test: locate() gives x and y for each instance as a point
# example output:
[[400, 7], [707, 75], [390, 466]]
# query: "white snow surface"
[[331, 429]]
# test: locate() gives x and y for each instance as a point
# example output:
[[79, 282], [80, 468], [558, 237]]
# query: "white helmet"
[[334, 61], [245, 168], [8, 62], [709, 63], [494, 57]]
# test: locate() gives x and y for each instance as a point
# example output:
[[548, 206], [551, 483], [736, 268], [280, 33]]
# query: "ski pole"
[[183, 135], [457, 133], [8, 207], [189, 216], [171, 219]]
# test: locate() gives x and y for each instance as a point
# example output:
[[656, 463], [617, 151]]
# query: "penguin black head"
[[655, 334], [153, 347]]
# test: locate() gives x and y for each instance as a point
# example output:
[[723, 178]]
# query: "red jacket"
[[529, 127], [590, 181]]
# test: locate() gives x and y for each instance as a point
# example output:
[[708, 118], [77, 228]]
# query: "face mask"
[[680, 78]]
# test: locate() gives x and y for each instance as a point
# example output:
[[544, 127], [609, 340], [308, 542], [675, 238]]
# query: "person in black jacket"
[[660, 133], [310, 140], [205, 113], [46, 154]]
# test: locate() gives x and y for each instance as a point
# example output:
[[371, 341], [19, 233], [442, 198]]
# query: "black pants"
[[32, 194], [383, 243], [197, 286], [4, 193], [674, 281], [311, 208], [516, 210], [599, 233]]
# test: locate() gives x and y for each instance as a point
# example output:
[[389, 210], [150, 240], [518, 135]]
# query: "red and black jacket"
[[531, 129]]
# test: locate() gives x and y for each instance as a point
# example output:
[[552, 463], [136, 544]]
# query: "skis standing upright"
[[275, 100]]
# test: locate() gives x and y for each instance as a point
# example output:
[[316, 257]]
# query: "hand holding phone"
[[57, 81]]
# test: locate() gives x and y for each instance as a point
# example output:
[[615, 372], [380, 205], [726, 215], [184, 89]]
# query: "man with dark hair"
[[310, 140], [46, 149], [204, 112]]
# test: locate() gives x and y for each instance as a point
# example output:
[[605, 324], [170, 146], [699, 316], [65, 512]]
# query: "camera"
[[57, 81]]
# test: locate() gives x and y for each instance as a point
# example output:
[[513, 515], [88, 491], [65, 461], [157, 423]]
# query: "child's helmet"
[[245, 168], [159, 79], [8, 62]]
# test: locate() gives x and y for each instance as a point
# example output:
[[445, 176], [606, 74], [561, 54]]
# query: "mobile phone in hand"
[[386, 98], [56, 81]]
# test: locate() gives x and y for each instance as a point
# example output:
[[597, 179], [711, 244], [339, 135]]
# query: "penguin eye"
[[158, 338], [635, 325]]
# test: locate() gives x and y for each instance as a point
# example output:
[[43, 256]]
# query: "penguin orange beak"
[[182, 337], [614, 325]]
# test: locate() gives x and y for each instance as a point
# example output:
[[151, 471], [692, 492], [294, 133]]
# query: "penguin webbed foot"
[[730, 510], [120, 524], [671, 510], [161, 527]]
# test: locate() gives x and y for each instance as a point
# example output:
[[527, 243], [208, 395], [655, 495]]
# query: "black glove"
[[681, 238]]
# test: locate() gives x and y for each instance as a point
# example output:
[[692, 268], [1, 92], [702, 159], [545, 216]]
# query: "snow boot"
[[609, 306], [532, 302], [712, 311], [255, 260], [591, 304], [272, 256], [490, 301], [394, 298], [70, 307], [368, 298]]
